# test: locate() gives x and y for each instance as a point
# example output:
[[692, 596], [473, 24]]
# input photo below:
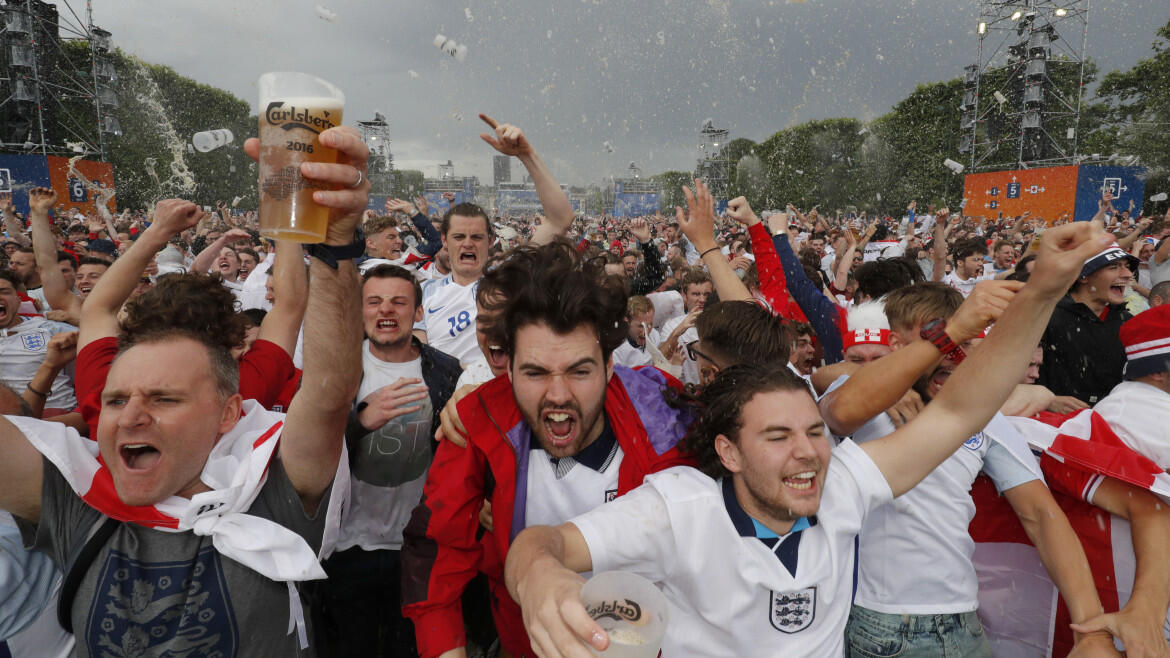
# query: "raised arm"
[[699, 227], [653, 272], [11, 223], [40, 200], [558, 212], [983, 381], [311, 442], [203, 261], [290, 286], [938, 250], [876, 386], [99, 313]]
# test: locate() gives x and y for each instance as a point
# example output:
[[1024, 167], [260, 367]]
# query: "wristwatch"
[[333, 254], [935, 332]]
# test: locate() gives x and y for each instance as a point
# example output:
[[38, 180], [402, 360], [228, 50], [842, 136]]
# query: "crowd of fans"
[[416, 436]]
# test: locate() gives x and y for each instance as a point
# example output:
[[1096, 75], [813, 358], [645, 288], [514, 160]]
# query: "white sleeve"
[[854, 487], [632, 533]]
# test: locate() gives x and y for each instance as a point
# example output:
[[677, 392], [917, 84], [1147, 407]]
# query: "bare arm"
[[203, 261], [99, 313], [878, 385], [290, 285], [311, 443], [1140, 622], [40, 200], [1060, 549], [62, 349], [699, 227], [558, 212], [11, 224], [983, 381], [938, 250], [21, 472]]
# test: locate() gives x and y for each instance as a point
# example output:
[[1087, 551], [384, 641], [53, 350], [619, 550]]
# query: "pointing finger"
[[489, 121]]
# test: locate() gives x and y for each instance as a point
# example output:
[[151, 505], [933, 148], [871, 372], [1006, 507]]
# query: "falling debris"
[[467, 13], [236, 201], [864, 129], [547, 88], [661, 38], [813, 71], [456, 114], [325, 14], [449, 46], [550, 34], [608, 147], [881, 57], [413, 75]]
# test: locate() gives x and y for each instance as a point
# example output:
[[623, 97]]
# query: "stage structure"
[[635, 196], [714, 164], [464, 189], [56, 81], [376, 134], [1021, 100]]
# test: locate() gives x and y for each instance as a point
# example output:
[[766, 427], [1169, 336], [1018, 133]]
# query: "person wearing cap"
[[1138, 407], [1083, 356], [868, 334]]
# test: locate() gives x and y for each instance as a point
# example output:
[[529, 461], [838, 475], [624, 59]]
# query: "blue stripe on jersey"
[[856, 564]]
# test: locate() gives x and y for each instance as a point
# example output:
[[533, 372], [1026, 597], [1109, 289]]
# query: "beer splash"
[[180, 182]]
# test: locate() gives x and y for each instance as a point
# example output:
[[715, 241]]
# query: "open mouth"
[[389, 324], [560, 426], [497, 358], [139, 456], [1117, 290], [468, 258], [801, 481]]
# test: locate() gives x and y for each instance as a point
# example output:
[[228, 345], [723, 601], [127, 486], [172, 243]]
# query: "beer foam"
[[626, 636]]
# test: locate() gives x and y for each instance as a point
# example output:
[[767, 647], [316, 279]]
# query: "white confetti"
[[813, 71], [880, 57], [550, 34], [661, 38], [467, 13], [413, 75], [325, 14]]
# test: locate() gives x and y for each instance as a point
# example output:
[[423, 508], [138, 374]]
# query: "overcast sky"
[[575, 74]]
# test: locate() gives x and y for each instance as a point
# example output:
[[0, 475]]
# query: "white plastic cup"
[[209, 140], [630, 609]]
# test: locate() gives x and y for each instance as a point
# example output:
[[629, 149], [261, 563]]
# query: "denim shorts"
[[872, 634]]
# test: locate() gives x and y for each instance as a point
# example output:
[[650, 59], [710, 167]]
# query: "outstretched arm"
[[99, 313], [983, 381], [11, 223], [314, 431], [699, 226], [40, 200], [202, 263], [558, 212], [290, 285]]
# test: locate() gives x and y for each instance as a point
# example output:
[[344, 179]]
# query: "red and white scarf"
[[236, 470]]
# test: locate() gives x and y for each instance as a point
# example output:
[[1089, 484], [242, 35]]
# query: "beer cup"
[[295, 108], [630, 609]]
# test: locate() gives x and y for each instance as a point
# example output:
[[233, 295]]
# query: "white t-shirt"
[[39, 295], [690, 369], [627, 354], [23, 349], [559, 490], [388, 466], [668, 305], [965, 286], [882, 249], [730, 594], [916, 552], [449, 318]]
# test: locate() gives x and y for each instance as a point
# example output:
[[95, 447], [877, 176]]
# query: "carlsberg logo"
[[616, 610], [293, 117]]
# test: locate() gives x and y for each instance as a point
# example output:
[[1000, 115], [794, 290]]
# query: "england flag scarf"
[[236, 470]]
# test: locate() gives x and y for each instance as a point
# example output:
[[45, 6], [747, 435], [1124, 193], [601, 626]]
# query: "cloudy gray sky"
[[640, 74]]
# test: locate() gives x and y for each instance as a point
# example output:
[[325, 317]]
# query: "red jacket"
[[442, 549]]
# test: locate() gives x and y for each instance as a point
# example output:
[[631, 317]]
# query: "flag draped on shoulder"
[[1019, 605]]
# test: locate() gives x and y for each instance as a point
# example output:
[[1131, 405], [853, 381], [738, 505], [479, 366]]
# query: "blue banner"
[[21, 173], [634, 205], [1125, 183]]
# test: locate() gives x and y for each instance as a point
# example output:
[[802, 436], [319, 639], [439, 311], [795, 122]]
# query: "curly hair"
[[721, 408], [194, 305], [553, 285]]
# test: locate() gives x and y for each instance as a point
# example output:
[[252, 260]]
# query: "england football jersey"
[[23, 348], [916, 552], [965, 286], [560, 489], [690, 369], [736, 589], [449, 318]]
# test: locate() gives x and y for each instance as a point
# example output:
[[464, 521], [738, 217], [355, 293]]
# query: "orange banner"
[[1047, 193], [71, 191]]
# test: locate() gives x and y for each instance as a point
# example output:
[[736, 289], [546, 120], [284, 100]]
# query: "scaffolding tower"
[[56, 81], [714, 164], [1021, 103], [376, 134]]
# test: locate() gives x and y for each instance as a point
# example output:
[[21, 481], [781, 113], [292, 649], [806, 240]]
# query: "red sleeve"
[[264, 373], [773, 285], [1069, 479], [286, 394], [440, 553], [89, 379]]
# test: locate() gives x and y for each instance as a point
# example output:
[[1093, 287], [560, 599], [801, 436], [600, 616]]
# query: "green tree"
[[672, 183]]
